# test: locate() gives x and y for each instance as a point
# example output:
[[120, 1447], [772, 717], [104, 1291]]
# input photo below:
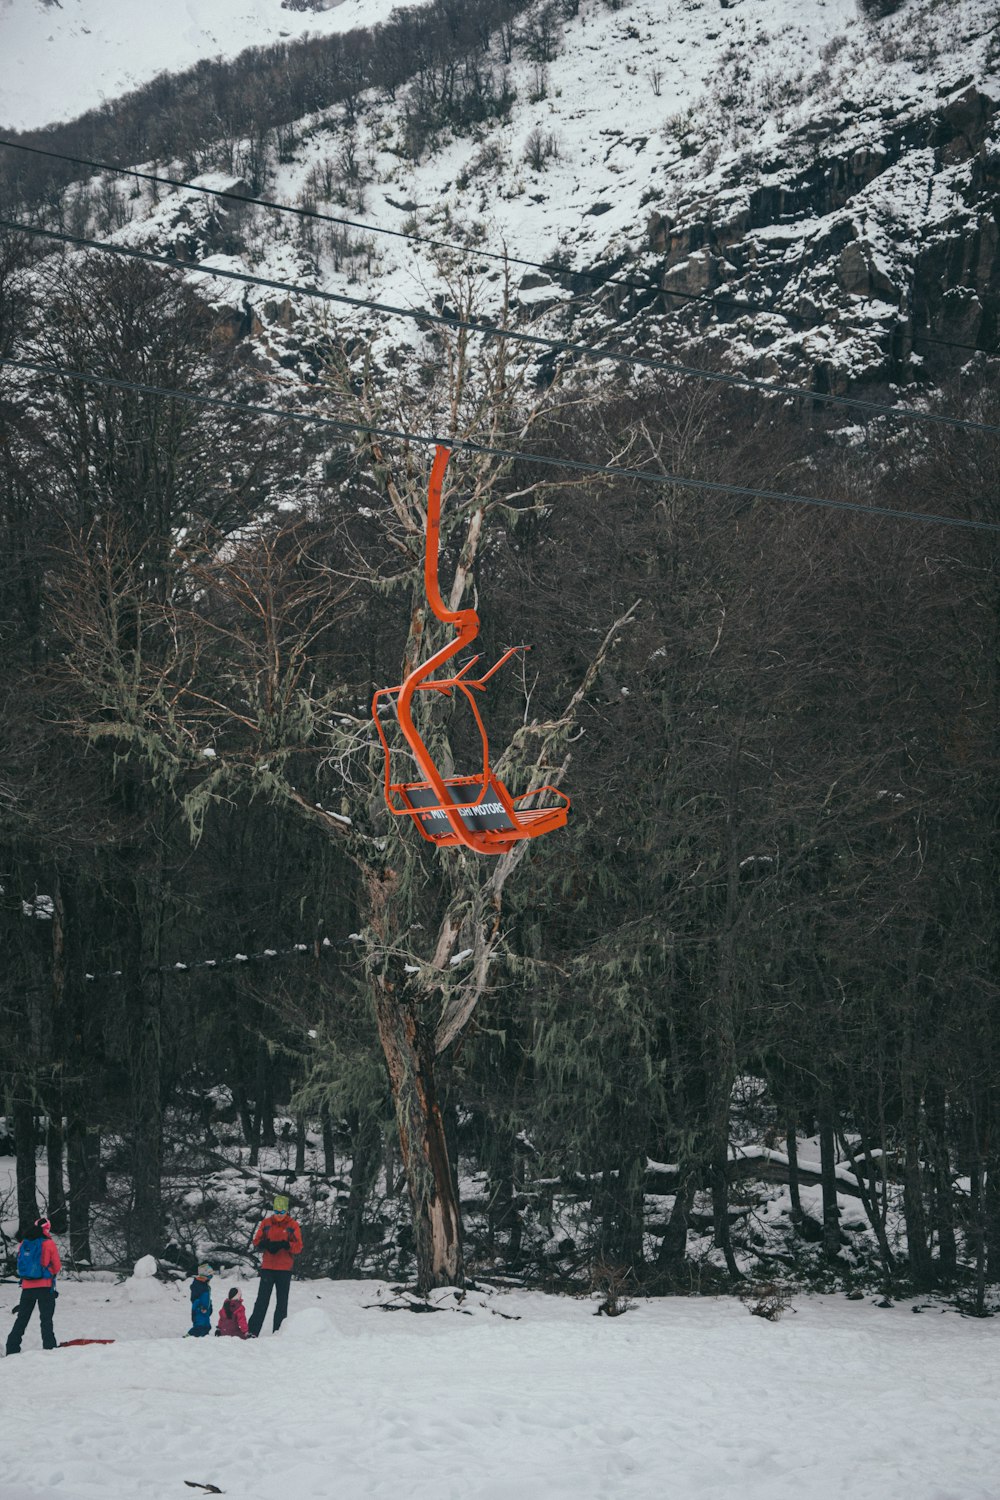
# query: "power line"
[[534, 340], [486, 450], [551, 267]]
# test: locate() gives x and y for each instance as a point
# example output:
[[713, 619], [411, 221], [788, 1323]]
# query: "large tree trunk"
[[978, 1230], [365, 1159], [238, 1075], [245, 1117], [83, 1151], [874, 1196], [619, 1203], [409, 1055], [265, 1097], [670, 1260], [262, 1127], [828, 1175], [83, 1053], [54, 1149], [944, 1206], [991, 1212], [792, 1152], [300, 1144], [504, 1183], [329, 1146], [914, 1210], [143, 1045], [24, 1154], [912, 1072], [724, 1020], [54, 1100], [720, 1214], [253, 1137]]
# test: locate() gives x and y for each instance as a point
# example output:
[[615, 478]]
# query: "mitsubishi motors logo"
[[490, 808]]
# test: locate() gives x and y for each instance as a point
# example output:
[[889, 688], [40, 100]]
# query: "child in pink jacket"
[[232, 1316]]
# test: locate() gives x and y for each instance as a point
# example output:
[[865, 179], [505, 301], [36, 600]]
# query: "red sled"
[[74, 1343]]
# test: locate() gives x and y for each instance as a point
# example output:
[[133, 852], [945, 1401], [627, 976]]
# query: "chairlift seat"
[[489, 812], [474, 810]]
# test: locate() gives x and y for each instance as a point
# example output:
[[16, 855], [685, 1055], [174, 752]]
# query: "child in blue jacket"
[[201, 1304]]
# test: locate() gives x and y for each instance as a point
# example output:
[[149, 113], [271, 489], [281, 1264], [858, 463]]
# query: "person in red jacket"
[[280, 1238], [232, 1317], [38, 1265]]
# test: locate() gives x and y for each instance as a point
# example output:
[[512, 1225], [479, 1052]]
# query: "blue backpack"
[[29, 1260]]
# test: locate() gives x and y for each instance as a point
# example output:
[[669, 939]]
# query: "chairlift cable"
[[534, 340], [491, 451], [550, 267]]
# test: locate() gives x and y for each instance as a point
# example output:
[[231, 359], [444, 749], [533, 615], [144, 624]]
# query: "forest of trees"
[[778, 725]]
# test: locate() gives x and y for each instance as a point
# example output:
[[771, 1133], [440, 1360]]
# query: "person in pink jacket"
[[232, 1316], [38, 1265]]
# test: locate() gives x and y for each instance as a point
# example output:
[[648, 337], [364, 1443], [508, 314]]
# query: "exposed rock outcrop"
[[906, 224]]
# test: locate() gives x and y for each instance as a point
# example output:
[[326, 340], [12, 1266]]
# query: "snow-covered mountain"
[[62, 57], [815, 188]]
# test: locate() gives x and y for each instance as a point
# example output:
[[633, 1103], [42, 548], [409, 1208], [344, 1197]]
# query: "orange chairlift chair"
[[477, 811]]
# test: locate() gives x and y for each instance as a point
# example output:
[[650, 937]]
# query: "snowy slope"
[[503, 1397], [801, 158], [841, 173], [62, 57]]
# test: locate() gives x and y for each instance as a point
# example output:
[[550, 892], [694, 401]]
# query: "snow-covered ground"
[[62, 57], [528, 1398]]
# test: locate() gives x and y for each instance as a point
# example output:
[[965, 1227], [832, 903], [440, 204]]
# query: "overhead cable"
[[433, 440], [550, 267], [487, 330]]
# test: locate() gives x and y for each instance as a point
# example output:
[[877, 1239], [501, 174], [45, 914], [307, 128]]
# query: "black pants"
[[280, 1281], [44, 1298]]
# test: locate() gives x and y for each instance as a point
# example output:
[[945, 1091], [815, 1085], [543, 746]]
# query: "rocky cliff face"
[[872, 234]]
